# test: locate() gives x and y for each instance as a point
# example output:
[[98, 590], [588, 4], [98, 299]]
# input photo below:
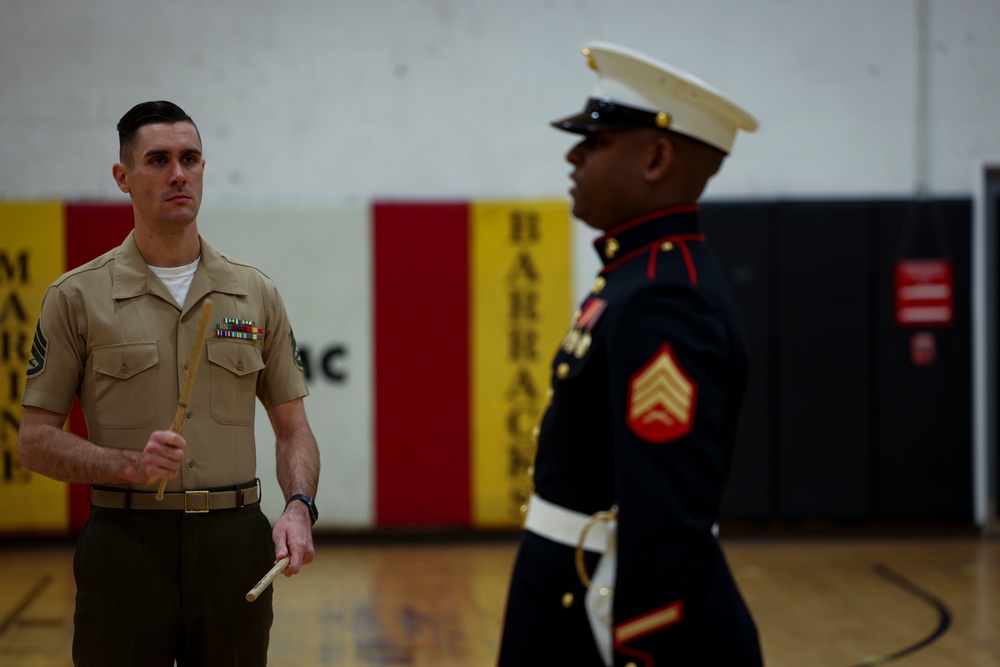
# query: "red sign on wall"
[[924, 293], [923, 348]]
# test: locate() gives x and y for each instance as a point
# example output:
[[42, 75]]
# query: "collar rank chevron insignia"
[[661, 399]]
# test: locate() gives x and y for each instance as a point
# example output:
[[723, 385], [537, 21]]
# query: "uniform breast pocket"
[[125, 384], [233, 368]]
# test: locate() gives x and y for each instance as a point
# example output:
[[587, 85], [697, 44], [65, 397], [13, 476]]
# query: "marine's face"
[[165, 175], [607, 177]]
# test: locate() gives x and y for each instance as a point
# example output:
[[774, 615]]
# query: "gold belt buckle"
[[188, 494]]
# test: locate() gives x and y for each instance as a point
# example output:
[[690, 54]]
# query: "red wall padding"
[[421, 309]]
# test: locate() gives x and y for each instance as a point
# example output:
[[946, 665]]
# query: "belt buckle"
[[188, 494]]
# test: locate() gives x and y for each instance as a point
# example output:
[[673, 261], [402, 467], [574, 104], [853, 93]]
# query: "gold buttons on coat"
[[611, 248], [562, 370], [567, 600], [667, 246], [599, 284]]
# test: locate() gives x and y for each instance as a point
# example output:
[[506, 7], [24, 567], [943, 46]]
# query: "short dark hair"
[[147, 113]]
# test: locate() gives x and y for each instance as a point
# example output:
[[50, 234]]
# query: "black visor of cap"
[[605, 114]]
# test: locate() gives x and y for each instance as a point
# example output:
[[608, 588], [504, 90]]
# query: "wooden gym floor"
[[818, 602]]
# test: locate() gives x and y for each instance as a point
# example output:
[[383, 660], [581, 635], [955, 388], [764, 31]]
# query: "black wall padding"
[[838, 422]]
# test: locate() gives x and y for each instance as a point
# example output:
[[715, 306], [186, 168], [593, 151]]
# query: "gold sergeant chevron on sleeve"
[[662, 384]]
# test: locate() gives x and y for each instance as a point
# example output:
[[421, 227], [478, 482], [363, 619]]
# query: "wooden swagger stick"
[[192, 370], [266, 580]]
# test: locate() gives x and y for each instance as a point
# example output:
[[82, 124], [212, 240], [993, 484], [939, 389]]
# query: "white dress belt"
[[564, 526]]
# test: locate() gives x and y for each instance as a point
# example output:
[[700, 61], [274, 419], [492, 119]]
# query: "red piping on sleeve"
[[651, 268], [692, 272]]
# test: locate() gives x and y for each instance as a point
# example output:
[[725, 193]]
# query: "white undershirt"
[[177, 279]]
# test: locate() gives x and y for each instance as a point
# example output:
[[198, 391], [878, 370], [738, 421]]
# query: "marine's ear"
[[120, 174]]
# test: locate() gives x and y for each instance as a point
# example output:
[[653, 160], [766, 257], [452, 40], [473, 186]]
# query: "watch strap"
[[308, 502]]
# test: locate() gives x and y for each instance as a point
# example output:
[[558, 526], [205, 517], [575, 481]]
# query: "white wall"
[[337, 102], [321, 262]]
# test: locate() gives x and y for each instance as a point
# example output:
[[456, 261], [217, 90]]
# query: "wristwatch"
[[313, 512]]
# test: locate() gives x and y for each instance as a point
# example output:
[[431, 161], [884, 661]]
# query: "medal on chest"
[[232, 327], [577, 342]]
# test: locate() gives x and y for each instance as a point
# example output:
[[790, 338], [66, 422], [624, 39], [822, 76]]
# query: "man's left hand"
[[292, 537]]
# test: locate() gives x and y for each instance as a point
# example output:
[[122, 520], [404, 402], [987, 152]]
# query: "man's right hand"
[[162, 455]]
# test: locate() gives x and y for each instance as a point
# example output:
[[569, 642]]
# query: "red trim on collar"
[[675, 238], [673, 210]]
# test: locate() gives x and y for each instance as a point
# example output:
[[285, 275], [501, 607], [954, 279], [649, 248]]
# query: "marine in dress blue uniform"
[[619, 563]]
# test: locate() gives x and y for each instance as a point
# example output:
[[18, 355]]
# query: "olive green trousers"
[[155, 587]]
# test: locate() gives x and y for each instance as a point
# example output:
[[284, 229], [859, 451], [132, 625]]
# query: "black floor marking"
[[944, 616], [24, 604]]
